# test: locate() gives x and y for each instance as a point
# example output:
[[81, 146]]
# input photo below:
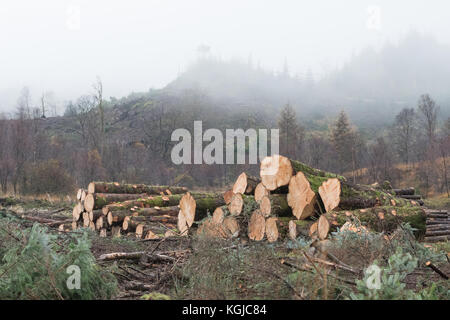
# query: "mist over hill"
[[372, 86]]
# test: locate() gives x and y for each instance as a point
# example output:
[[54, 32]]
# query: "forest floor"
[[197, 268]]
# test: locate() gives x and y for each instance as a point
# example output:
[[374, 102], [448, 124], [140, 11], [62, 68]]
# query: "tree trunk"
[[95, 201], [114, 187]]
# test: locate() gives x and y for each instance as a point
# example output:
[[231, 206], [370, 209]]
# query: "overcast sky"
[[133, 45]]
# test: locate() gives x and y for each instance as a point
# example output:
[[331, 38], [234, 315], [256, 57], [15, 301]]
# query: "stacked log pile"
[[113, 209], [437, 225], [288, 199], [408, 193]]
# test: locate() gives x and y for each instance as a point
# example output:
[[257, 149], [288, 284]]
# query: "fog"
[[62, 46]]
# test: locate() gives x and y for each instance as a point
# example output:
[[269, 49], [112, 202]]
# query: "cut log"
[[77, 211], [299, 227], [330, 192], [227, 196], [301, 198], [323, 227], [272, 229], [236, 204], [260, 192], [187, 208], [231, 225], [103, 233], [411, 197], [275, 171], [79, 194], [211, 230], [218, 215], [113, 187], [432, 233], [274, 204], [437, 238], [95, 201], [130, 223], [83, 195], [256, 226], [100, 223], [406, 191], [94, 215], [313, 229], [86, 219], [245, 184], [115, 231]]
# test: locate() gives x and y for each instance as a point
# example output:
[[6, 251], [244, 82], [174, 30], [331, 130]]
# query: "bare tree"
[[403, 133], [428, 111]]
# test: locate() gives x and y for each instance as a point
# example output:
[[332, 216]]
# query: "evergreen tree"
[[343, 140], [290, 132]]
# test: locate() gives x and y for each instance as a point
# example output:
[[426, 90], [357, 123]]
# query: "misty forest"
[[363, 179]]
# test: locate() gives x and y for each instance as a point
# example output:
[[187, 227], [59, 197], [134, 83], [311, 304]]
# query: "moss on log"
[[114, 187]]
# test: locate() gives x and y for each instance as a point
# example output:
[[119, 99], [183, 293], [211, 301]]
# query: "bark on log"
[[245, 184], [114, 187], [256, 226], [411, 197], [406, 191], [95, 201]]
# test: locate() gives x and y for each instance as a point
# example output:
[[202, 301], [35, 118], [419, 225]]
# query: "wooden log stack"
[[437, 225], [115, 209], [286, 199]]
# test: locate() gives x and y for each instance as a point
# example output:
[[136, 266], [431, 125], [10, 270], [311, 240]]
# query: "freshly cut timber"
[[275, 171], [313, 229], [256, 226], [227, 196], [323, 227], [330, 192], [299, 227], [187, 209], [265, 206], [115, 231], [146, 212], [301, 198], [83, 195], [95, 201], [94, 215], [100, 223], [245, 184], [79, 194], [103, 233], [77, 211], [272, 229], [260, 192], [130, 223], [231, 225], [211, 230], [236, 204], [114, 187], [218, 215]]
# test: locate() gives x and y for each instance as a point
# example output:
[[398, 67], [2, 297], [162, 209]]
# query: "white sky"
[[135, 45]]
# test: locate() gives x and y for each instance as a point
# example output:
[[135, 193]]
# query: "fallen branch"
[[436, 269], [134, 256]]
